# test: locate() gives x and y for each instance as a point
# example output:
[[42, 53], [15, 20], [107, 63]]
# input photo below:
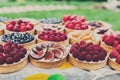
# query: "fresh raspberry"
[[9, 60], [95, 58], [88, 58], [2, 60], [114, 54], [23, 50], [118, 59], [16, 58], [115, 44], [118, 48]]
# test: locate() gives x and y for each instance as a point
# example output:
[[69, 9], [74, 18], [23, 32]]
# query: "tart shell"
[[113, 64], [87, 65], [41, 64], [13, 67]]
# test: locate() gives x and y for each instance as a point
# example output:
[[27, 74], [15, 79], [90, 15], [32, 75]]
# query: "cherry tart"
[[74, 23], [19, 26], [53, 36], [48, 55], [48, 27], [87, 56], [13, 57], [2, 26], [25, 39], [110, 41], [114, 58]]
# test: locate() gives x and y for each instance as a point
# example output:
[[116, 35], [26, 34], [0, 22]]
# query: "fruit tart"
[[25, 39], [114, 59], [48, 55], [100, 25], [110, 41], [87, 56], [2, 26], [85, 35], [19, 26], [50, 24], [53, 36], [74, 23], [13, 57]]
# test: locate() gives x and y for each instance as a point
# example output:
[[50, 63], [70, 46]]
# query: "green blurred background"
[[92, 9]]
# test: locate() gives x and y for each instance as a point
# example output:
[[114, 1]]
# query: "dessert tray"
[[70, 46]]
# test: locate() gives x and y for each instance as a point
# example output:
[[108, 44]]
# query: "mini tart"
[[99, 25], [8, 68], [85, 35], [2, 26], [87, 65], [65, 42], [52, 64], [31, 31], [113, 64], [40, 27]]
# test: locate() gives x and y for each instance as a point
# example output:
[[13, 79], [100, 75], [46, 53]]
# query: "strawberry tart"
[[74, 23], [13, 57], [114, 59], [87, 56], [2, 26], [25, 39], [53, 36], [48, 55], [19, 26]]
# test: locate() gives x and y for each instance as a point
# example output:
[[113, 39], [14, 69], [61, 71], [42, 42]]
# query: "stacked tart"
[[48, 55], [25, 39], [50, 24], [87, 56], [114, 59], [74, 23], [53, 36], [2, 26], [13, 57], [19, 26]]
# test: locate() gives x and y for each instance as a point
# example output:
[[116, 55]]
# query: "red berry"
[[13, 22], [10, 27], [23, 50], [115, 44], [95, 58], [16, 58], [114, 54], [118, 48], [118, 59], [23, 29], [2, 60], [88, 58], [9, 60]]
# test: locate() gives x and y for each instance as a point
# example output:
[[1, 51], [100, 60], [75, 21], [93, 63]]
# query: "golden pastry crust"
[[114, 65], [14, 67], [87, 65]]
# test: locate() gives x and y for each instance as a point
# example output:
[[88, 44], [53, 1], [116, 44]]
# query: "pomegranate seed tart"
[[48, 55], [2, 26], [74, 23], [87, 56], [25, 39], [20, 25], [13, 57], [53, 36], [114, 59]]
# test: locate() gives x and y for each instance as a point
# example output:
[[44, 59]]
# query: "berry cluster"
[[88, 52], [51, 20], [111, 39], [116, 54], [18, 37], [19, 26], [75, 22], [52, 36], [10, 53]]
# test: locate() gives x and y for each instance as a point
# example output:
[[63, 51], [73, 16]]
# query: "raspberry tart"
[[110, 41], [2, 26], [53, 36], [25, 39], [114, 59], [87, 56], [19, 26], [13, 57], [74, 23], [48, 55]]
